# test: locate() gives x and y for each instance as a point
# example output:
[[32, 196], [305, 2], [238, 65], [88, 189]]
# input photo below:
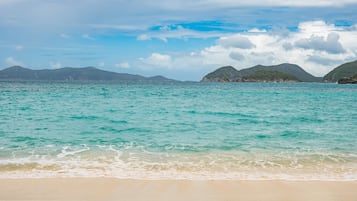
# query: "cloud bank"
[[316, 46]]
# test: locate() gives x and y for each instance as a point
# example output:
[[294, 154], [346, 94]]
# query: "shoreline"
[[136, 189], [172, 178], [188, 177]]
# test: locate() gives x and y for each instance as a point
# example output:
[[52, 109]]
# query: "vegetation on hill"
[[270, 76], [72, 74], [344, 71], [223, 74], [290, 69], [259, 73]]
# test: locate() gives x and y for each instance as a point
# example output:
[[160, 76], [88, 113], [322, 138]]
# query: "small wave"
[[307, 120], [23, 139], [110, 161], [213, 113], [118, 121], [90, 117], [29, 166], [67, 151]]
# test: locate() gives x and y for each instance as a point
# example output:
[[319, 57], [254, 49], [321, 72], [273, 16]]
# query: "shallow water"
[[179, 130]]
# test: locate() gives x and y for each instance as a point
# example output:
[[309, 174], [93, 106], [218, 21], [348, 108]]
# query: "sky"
[[179, 39]]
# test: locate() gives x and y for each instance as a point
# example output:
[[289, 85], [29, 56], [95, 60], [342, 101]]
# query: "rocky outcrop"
[[351, 80]]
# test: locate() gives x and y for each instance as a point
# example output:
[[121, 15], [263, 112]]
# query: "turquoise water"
[[179, 131]]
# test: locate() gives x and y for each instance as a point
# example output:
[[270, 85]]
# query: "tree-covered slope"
[[346, 70]]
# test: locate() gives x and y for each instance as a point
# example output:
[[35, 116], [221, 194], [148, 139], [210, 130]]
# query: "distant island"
[[73, 74], [277, 73], [343, 74]]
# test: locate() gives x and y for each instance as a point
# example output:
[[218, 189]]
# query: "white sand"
[[118, 189]]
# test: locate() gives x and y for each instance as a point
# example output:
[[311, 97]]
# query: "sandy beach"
[[118, 189]]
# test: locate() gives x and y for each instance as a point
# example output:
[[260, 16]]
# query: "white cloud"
[[269, 49], [55, 65], [178, 65], [13, 62], [236, 41], [256, 30], [330, 45], [236, 56], [326, 46], [123, 65], [158, 60], [144, 37], [317, 27], [288, 46], [321, 60], [137, 15]]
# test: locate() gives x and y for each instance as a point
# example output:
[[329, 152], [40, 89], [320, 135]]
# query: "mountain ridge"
[[73, 74], [276, 73]]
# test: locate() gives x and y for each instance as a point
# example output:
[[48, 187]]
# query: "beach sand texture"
[[119, 189]]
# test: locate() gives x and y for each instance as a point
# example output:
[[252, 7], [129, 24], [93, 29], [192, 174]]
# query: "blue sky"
[[179, 39]]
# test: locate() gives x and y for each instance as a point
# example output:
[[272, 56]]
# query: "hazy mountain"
[[344, 71], [277, 73], [72, 74]]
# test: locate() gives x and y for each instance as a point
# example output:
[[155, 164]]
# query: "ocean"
[[258, 131]]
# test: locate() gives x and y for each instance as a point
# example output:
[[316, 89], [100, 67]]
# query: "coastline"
[[127, 189]]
